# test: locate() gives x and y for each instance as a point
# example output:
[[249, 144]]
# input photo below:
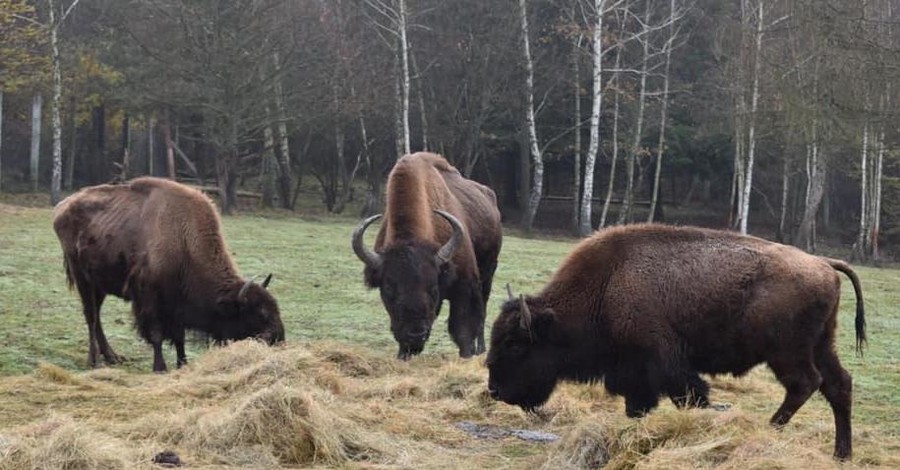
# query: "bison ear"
[[525, 318], [372, 275]]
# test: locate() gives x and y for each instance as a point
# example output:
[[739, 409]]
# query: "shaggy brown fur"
[[412, 281], [645, 308], [158, 244]]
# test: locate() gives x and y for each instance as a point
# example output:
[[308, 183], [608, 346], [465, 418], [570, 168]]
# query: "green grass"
[[318, 284]]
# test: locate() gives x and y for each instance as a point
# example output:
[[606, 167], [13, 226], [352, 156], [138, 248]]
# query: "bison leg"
[[837, 387], [487, 279], [109, 355], [689, 390], [178, 341], [637, 378], [159, 364], [91, 300], [800, 379], [466, 321]]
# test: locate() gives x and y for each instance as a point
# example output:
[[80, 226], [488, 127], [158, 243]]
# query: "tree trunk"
[[576, 167], [56, 178], [859, 248], [537, 162], [170, 152], [615, 138], [151, 144], [594, 145], [420, 97], [126, 150], [876, 202], [37, 104], [628, 199], [283, 157], [660, 149], [816, 176], [785, 185], [267, 164], [341, 167], [751, 134], [73, 144], [404, 63]]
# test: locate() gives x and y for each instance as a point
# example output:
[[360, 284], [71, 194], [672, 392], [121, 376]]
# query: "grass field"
[[337, 375]]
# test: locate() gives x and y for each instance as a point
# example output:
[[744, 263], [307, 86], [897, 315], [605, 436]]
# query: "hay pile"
[[330, 405]]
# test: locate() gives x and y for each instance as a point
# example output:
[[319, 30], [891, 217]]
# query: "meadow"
[[334, 396]]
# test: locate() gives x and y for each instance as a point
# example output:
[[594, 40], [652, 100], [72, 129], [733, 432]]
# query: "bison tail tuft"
[[860, 322]]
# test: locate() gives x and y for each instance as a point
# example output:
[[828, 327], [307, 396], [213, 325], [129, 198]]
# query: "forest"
[[769, 117]]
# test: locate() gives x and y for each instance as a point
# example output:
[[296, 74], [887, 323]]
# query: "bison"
[[159, 244], [645, 308], [440, 240]]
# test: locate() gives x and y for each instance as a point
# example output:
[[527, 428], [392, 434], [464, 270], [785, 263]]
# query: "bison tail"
[[860, 309], [67, 266]]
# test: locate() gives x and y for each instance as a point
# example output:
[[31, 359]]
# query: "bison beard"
[[158, 244], [440, 239], [646, 308]]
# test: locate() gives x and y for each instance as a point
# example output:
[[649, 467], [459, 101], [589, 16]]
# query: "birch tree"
[[534, 150], [600, 7], [392, 16], [37, 104], [636, 149], [660, 146]]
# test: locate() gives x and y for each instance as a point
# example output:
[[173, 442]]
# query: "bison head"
[[412, 277], [524, 359], [249, 310]]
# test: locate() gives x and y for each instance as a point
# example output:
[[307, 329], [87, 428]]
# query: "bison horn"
[[245, 287], [265, 283], [525, 315], [509, 291], [446, 251], [369, 257]]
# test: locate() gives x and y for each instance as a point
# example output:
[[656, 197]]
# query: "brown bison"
[[159, 245], [645, 308], [440, 240]]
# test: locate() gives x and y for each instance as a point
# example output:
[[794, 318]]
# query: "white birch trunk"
[[615, 139], [420, 97], [875, 220], [534, 198], [404, 62], [151, 144], [594, 145], [56, 179], [37, 103], [660, 149], [283, 158], [860, 246], [751, 134], [628, 199], [576, 167], [785, 192]]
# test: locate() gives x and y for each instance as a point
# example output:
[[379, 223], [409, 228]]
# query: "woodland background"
[[767, 116]]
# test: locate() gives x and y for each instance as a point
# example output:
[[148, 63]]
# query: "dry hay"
[[247, 405]]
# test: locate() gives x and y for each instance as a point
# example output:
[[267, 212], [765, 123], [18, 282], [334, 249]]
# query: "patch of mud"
[[486, 431]]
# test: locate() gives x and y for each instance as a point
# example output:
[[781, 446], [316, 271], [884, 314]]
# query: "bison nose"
[[418, 334], [493, 392]]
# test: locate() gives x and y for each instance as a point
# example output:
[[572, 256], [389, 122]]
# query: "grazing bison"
[[645, 308], [440, 240], [159, 245]]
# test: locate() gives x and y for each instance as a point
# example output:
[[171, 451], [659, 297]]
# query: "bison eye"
[[388, 291]]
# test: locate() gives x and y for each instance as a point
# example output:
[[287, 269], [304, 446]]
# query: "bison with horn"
[[440, 239], [645, 308], [159, 244]]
